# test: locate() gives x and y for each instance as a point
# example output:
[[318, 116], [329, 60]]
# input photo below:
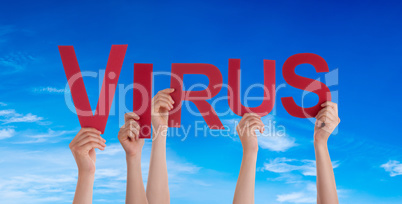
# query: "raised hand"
[[162, 103], [132, 144], [83, 148], [158, 177], [327, 120], [129, 135], [244, 192], [246, 130]]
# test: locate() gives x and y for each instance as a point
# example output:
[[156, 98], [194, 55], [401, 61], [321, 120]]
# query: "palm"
[[160, 116], [132, 146], [87, 162]]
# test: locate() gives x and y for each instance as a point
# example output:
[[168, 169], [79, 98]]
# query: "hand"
[[246, 130], [129, 135], [327, 120], [162, 103], [83, 148]]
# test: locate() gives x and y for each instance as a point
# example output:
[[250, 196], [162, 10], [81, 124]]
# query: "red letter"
[[304, 83], [77, 87], [197, 97], [142, 97], [234, 89]]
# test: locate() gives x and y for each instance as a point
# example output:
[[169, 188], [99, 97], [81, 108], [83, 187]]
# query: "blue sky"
[[360, 40]]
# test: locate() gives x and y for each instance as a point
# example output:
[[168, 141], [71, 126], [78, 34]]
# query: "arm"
[[327, 120], [157, 186], [132, 145], [244, 192], [83, 148]]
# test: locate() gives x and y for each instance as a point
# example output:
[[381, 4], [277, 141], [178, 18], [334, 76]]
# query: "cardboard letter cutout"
[[77, 87], [234, 89], [304, 83], [142, 97], [197, 97]]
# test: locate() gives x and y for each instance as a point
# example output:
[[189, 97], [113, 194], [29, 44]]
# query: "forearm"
[[84, 190], [158, 177], [326, 187], [135, 193], [244, 192]]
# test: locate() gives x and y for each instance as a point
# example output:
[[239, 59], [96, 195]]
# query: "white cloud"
[[23, 118], [51, 136], [11, 116], [50, 90], [112, 149], [6, 133], [393, 167], [274, 138], [276, 143], [50, 175], [3, 104], [7, 112], [306, 195], [296, 197], [285, 165], [15, 62]]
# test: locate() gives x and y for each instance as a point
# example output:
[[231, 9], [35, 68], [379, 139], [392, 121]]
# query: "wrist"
[[159, 133], [250, 153], [321, 137], [159, 128], [86, 174], [320, 143], [133, 157]]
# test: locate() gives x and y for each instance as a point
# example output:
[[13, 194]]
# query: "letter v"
[[79, 93]]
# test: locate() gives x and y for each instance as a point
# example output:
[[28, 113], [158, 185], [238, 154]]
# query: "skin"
[[244, 192], [327, 120], [132, 145], [83, 148], [157, 186]]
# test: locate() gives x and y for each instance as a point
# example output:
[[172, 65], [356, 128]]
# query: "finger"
[[330, 104], [324, 119], [91, 145], [253, 121], [326, 111], [91, 139], [137, 137], [83, 133], [165, 100], [165, 96], [122, 132], [247, 116], [131, 115], [161, 104], [133, 124], [253, 118], [257, 125], [90, 135], [134, 133], [170, 90]]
